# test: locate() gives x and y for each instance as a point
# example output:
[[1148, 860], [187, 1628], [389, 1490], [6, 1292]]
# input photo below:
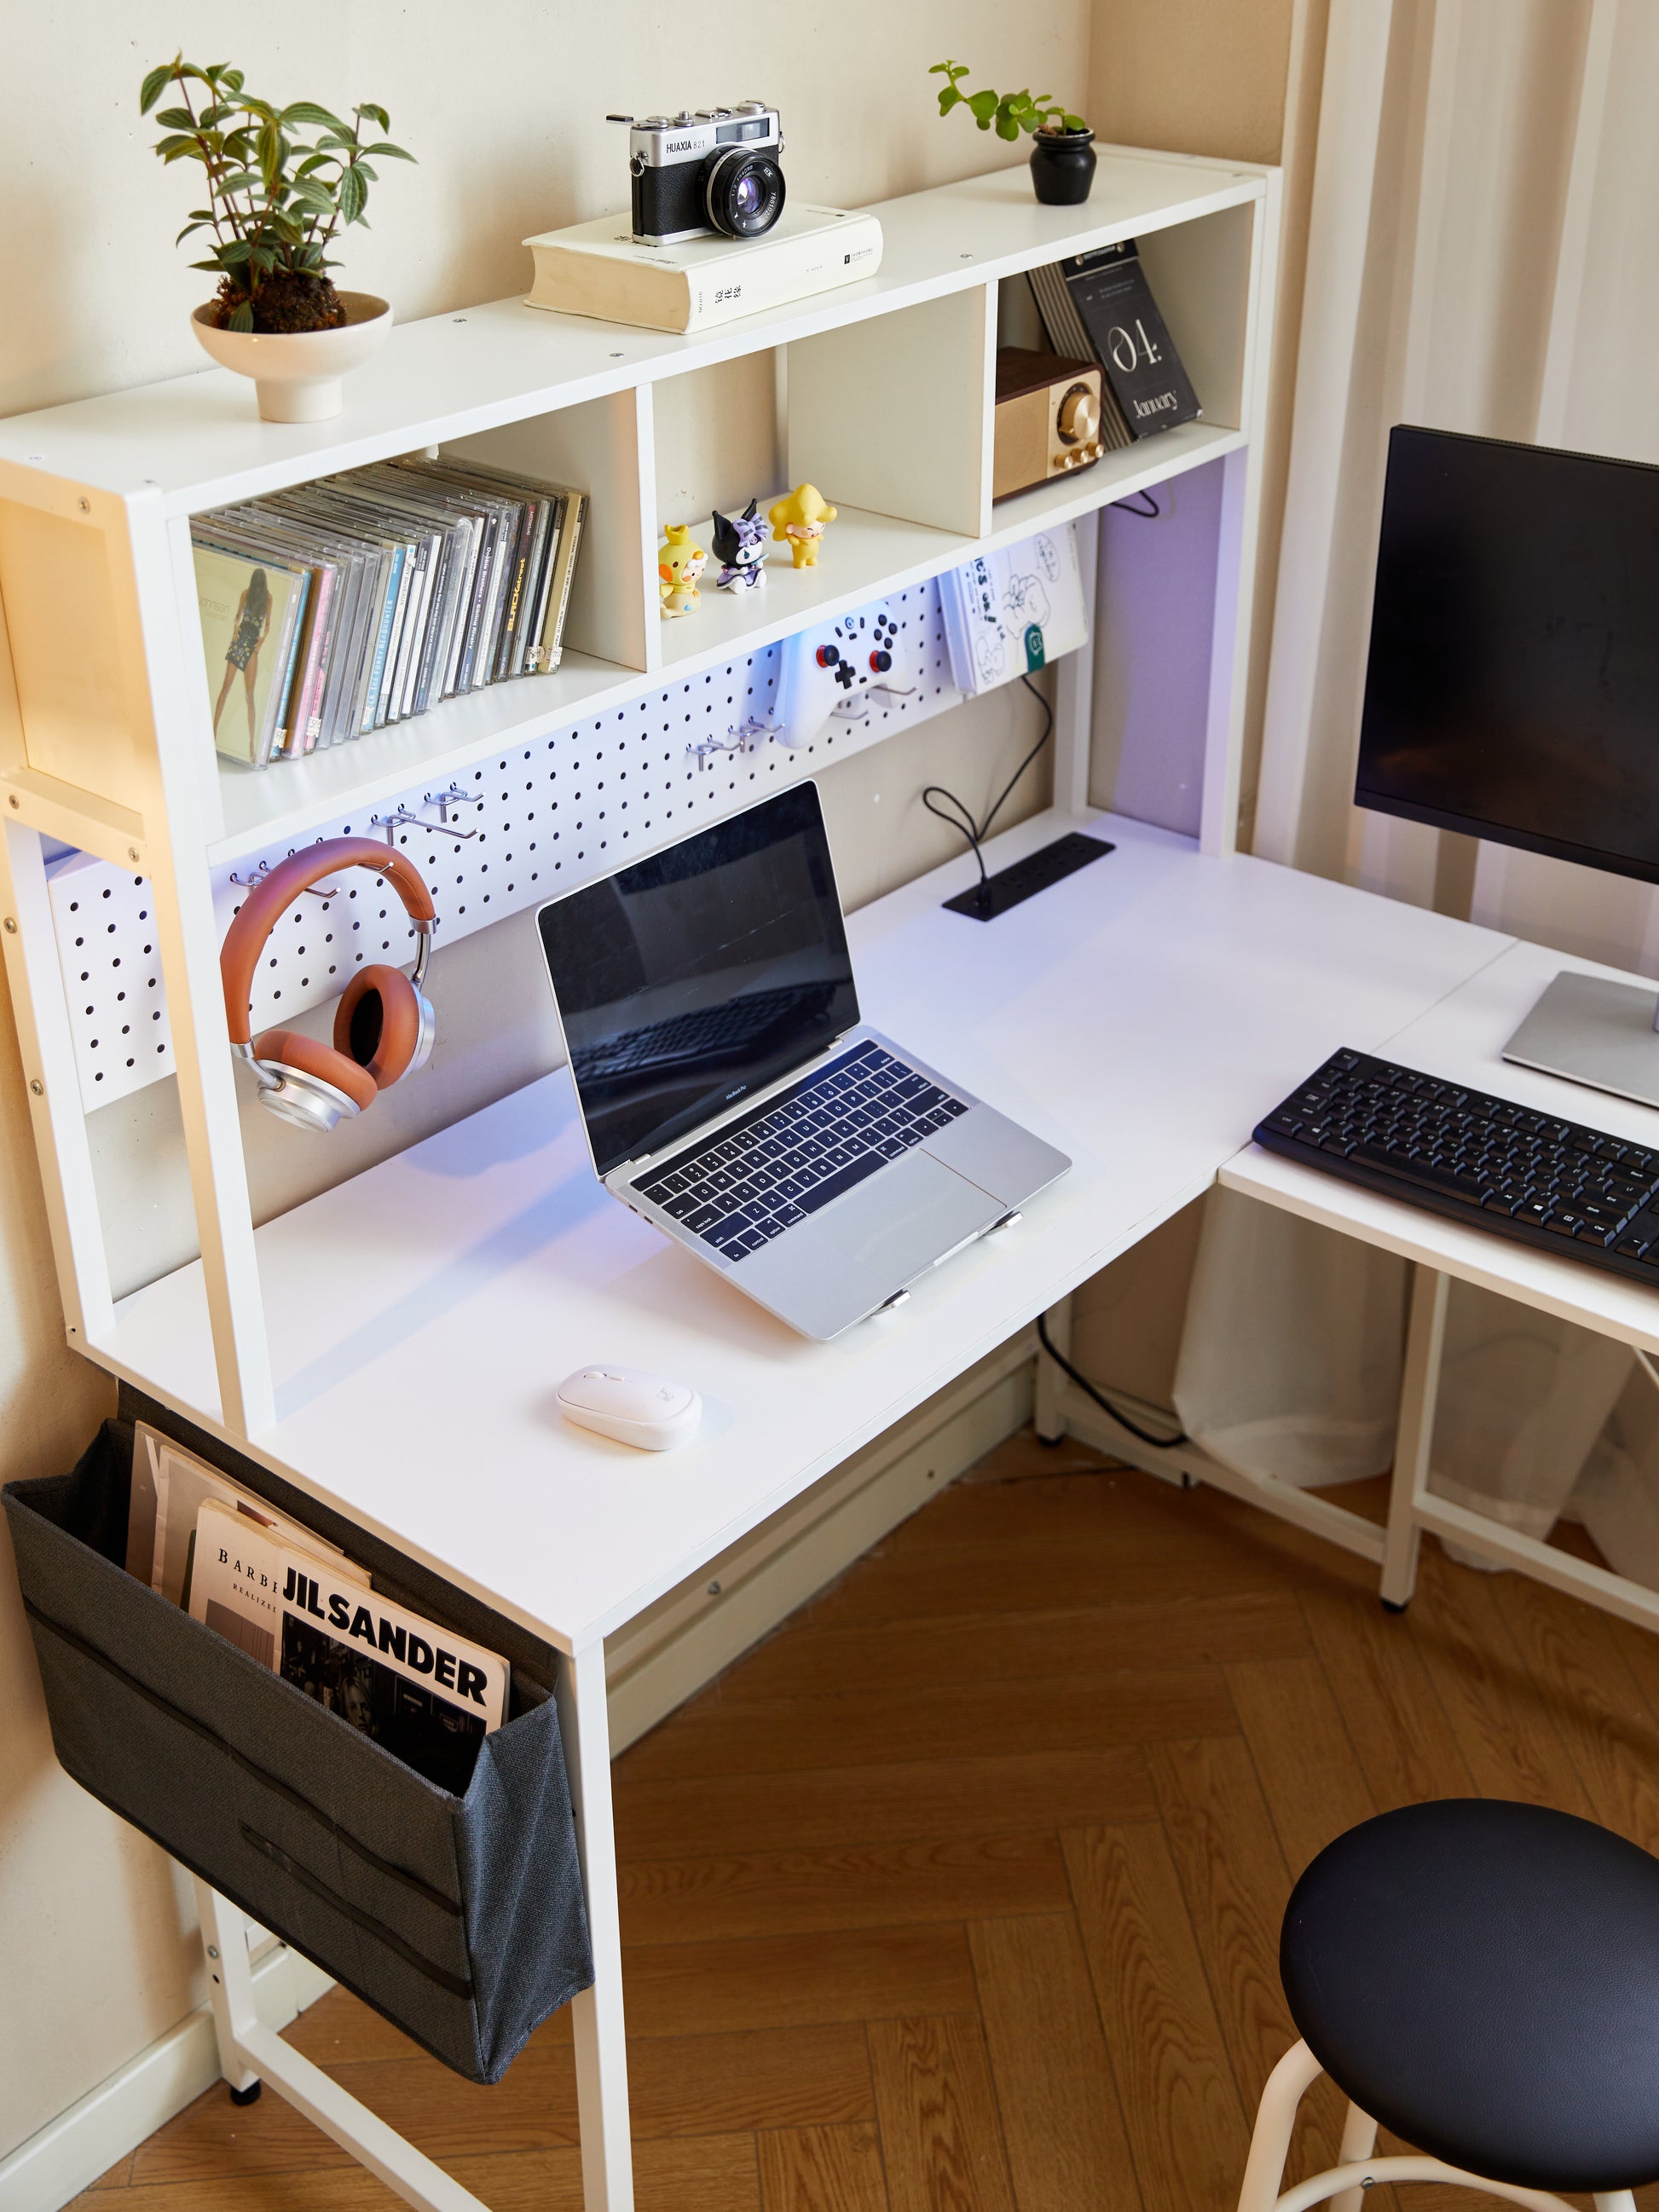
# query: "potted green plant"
[[1062, 144], [275, 204]]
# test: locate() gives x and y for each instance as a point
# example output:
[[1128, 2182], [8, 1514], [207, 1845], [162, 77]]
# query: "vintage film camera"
[[715, 171]]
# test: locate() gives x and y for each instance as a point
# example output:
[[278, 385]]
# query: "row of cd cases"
[[334, 608]]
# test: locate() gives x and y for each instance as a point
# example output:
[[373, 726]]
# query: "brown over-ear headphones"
[[384, 1025]]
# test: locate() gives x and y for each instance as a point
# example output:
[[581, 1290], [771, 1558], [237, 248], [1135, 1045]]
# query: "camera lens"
[[743, 192]]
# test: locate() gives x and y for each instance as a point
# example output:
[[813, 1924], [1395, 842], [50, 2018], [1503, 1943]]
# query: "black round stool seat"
[[1483, 1978]]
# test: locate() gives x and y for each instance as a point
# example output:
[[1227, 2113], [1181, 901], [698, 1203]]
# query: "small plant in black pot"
[[1062, 144]]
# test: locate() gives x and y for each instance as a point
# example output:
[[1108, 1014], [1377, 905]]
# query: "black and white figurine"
[[740, 548]]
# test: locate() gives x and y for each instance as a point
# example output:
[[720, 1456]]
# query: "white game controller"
[[840, 671]]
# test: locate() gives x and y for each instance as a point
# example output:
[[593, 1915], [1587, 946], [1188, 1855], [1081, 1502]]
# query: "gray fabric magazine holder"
[[460, 1919]]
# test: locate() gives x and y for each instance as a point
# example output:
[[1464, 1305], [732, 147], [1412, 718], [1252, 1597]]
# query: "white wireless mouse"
[[631, 1406]]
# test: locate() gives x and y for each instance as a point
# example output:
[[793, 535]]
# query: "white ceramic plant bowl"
[[297, 373]]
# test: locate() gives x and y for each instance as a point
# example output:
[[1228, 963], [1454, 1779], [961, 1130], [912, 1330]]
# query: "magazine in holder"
[[458, 1918]]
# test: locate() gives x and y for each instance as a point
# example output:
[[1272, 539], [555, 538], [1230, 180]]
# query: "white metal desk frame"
[[124, 769], [1459, 1039], [1194, 951]]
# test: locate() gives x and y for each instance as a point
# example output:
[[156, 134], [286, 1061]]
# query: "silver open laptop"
[[732, 1096]]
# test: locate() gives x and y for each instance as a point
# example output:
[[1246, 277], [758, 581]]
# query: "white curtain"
[[1483, 256]]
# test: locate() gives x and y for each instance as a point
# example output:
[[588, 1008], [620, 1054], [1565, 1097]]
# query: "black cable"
[[1048, 731], [976, 833], [965, 824], [1150, 513], [1157, 1444]]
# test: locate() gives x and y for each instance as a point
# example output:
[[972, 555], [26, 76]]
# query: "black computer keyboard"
[[772, 1167], [1473, 1157]]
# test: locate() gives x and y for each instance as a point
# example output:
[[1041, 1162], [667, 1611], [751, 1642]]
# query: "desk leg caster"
[[248, 2096]]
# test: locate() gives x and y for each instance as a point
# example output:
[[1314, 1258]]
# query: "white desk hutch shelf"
[[106, 745]]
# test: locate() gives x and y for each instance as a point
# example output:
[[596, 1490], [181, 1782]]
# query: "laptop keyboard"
[[761, 1176]]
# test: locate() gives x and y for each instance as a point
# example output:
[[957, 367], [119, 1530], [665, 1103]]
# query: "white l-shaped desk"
[[1142, 1015]]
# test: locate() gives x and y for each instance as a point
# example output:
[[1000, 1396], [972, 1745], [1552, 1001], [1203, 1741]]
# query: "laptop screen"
[[691, 979]]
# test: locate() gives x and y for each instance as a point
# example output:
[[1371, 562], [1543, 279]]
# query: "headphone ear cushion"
[[306, 1056], [377, 1024]]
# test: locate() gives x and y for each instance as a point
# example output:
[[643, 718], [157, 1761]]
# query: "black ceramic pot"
[[1062, 167]]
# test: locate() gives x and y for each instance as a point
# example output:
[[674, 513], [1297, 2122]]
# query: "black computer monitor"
[[1512, 689]]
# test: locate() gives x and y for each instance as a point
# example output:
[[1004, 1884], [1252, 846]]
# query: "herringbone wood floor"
[[962, 1893]]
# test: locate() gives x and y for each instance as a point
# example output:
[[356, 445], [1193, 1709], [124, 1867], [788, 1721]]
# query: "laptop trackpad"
[[899, 1222]]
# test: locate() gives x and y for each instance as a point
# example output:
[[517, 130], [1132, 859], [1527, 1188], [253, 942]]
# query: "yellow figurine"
[[679, 564], [798, 522]]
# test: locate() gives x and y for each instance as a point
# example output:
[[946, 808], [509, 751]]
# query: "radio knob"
[[1079, 415]]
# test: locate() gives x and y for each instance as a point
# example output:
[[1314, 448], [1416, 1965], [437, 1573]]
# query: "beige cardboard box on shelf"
[[597, 268]]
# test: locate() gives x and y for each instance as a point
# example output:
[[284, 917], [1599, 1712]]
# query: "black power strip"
[[1011, 886]]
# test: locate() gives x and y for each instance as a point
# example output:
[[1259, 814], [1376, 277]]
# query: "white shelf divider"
[[895, 415]]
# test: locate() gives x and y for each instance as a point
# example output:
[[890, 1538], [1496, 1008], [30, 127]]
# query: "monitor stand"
[[1592, 1030]]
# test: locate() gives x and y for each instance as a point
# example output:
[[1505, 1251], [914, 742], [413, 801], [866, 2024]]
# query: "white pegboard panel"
[[542, 818], [112, 977]]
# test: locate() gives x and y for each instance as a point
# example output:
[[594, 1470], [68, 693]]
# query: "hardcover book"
[[597, 268], [1100, 306]]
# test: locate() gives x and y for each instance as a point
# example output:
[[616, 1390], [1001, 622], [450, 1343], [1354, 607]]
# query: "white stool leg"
[[1615, 2199], [1359, 2142], [1275, 2118]]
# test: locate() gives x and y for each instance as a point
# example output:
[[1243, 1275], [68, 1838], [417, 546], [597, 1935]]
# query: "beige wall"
[[1200, 76], [505, 107]]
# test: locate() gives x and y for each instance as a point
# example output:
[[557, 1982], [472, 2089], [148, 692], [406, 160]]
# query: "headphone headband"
[[274, 893]]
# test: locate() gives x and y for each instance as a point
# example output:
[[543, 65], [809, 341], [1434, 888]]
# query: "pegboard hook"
[[323, 891], [746, 737], [443, 800], [702, 749]]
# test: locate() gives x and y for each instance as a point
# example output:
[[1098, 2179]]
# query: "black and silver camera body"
[[715, 172]]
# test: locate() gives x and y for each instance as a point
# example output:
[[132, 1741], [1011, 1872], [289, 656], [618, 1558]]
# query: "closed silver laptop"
[[732, 1096]]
